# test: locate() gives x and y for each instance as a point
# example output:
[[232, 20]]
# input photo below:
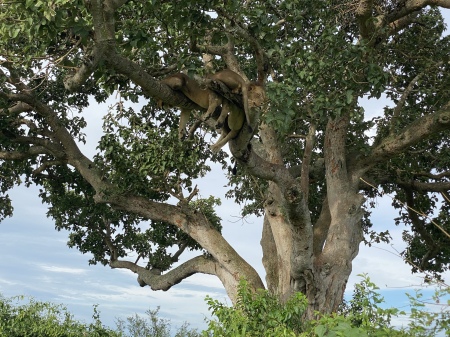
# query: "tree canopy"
[[311, 165]]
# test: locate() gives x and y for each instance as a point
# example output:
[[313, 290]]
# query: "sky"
[[35, 260]]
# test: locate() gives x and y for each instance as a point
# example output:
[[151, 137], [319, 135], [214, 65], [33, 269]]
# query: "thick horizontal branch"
[[409, 7], [150, 85], [373, 180], [441, 175], [417, 131], [262, 168], [397, 19], [195, 224], [425, 187], [157, 281]]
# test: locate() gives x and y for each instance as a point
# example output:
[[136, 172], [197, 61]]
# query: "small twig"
[[193, 194], [46, 164]]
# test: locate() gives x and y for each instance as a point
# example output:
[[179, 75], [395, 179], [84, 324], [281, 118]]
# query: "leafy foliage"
[[257, 314], [46, 319], [262, 314], [151, 326], [42, 319]]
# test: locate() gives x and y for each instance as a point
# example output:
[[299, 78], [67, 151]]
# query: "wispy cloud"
[[66, 270]]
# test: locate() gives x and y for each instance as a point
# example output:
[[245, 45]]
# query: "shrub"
[[41, 319]]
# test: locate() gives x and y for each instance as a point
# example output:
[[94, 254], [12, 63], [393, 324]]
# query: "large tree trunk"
[[315, 259]]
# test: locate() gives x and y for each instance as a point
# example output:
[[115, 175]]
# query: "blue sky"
[[36, 261]]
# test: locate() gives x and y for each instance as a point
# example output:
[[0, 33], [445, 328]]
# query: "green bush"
[[257, 314], [42, 319], [151, 326], [260, 314]]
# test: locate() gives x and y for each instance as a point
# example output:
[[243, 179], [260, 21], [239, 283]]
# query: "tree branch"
[[425, 187], [260, 56], [397, 19], [74, 82], [104, 26], [364, 18], [19, 107], [196, 225], [418, 130], [433, 248], [156, 281], [176, 256], [409, 7], [69, 148], [398, 108], [150, 86], [47, 164]]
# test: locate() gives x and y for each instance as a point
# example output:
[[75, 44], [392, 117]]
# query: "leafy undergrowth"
[[257, 314]]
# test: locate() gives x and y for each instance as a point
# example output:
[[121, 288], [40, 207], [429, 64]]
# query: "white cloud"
[[65, 270], [6, 282]]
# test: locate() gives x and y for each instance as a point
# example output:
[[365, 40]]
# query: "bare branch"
[[193, 194], [441, 187], [107, 238], [47, 164], [194, 223], [409, 7], [156, 281], [74, 82], [178, 253], [398, 108], [418, 130]]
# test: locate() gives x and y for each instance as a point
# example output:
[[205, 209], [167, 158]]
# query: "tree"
[[307, 168]]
